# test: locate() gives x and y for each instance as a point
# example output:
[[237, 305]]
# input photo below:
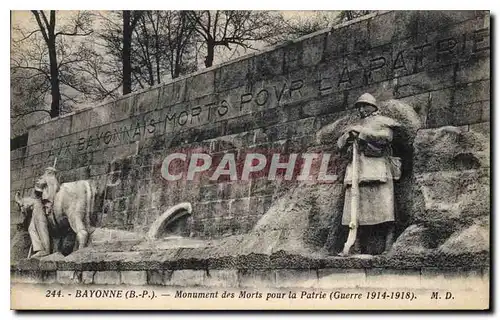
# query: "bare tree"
[[298, 25], [180, 43], [348, 15], [116, 39], [165, 42], [307, 22], [162, 47], [110, 40], [234, 27], [28, 92], [130, 20], [48, 55]]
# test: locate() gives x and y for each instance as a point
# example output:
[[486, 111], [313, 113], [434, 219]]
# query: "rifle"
[[353, 225]]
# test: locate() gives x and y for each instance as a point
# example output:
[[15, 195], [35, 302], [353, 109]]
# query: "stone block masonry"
[[326, 279], [276, 100]]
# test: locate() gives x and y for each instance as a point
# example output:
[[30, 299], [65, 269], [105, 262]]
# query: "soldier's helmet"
[[366, 98], [50, 170]]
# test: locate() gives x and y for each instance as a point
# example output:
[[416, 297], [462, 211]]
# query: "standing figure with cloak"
[[369, 190]]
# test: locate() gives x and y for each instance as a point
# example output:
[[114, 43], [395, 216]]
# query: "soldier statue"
[[369, 196]]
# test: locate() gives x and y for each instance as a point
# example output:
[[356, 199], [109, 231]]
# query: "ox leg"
[[82, 237], [81, 232], [56, 244]]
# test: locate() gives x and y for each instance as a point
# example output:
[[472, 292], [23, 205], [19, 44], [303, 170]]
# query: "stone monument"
[[265, 155]]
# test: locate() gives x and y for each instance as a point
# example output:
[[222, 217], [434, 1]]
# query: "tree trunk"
[[157, 58], [126, 63], [54, 80], [47, 28], [209, 59], [177, 70]]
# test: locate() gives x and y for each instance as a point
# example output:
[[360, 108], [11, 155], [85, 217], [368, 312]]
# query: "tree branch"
[[29, 35], [40, 24], [204, 32], [138, 80], [45, 19], [33, 68], [74, 33], [137, 15]]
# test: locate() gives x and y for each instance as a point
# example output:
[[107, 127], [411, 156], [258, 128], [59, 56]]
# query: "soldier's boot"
[[357, 246], [389, 239]]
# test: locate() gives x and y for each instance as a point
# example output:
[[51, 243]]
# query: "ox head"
[[26, 206], [47, 185]]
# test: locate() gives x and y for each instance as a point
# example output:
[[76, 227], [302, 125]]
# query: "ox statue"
[[55, 209]]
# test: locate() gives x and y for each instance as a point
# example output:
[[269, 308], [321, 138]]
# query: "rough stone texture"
[[295, 222], [373, 278], [303, 75], [450, 279], [155, 277], [26, 276], [68, 277], [448, 197], [107, 277], [341, 278], [414, 240], [222, 278], [287, 278], [159, 277], [450, 149], [451, 192], [19, 244], [276, 102], [380, 278], [88, 277], [475, 238], [188, 278], [104, 235], [256, 278], [134, 277]]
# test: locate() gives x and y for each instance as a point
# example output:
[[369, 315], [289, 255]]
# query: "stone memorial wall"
[[437, 62]]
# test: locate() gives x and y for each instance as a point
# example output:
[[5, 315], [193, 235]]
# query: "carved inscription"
[[351, 72], [355, 71], [276, 93]]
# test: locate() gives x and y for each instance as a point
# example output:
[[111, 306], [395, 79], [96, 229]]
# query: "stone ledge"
[[203, 259], [330, 278]]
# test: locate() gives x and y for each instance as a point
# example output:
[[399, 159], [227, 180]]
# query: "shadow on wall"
[[442, 198], [308, 218]]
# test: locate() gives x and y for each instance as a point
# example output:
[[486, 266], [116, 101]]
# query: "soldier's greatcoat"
[[377, 170], [39, 229]]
